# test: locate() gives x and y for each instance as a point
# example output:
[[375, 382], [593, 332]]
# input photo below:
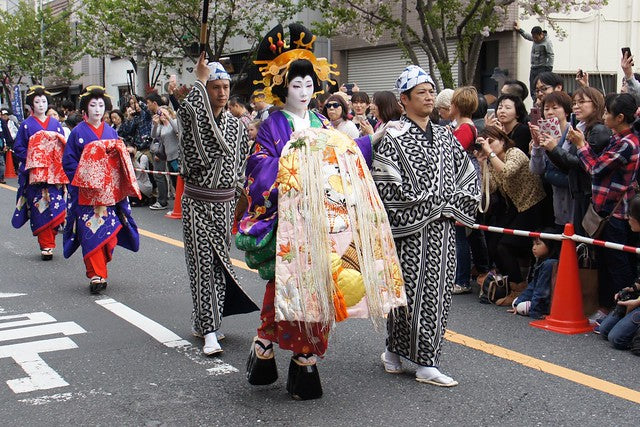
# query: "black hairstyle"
[[298, 68], [634, 207], [549, 78], [536, 30], [552, 245], [118, 112], [517, 88], [360, 97], [481, 111], [95, 92], [521, 111], [68, 105], [36, 91], [340, 100], [237, 100], [154, 97], [73, 120], [622, 103]]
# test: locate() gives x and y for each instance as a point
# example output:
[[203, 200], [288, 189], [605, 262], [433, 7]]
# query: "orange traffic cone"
[[176, 213], [9, 169], [566, 308]]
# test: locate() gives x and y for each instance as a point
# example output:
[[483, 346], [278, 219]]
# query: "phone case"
[[551, 127]]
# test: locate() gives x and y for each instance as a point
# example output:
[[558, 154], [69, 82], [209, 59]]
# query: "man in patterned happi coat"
[[213, 150], [427, 183]]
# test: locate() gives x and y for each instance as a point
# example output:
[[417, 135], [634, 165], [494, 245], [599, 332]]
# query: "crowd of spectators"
[[539, 170]]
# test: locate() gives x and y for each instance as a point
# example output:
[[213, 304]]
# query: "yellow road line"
[[491, 349], [543, 366], [180, 244], [8, 187]]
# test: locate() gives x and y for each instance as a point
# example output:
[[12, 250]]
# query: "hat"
[[536, 30], [274, 58], [217, 72], [443, 100], [411, 77], [4, 111]]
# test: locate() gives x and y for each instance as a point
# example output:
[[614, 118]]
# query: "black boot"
[[261, 371], [303, 382]]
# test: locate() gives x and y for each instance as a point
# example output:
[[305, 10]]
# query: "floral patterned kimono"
[[313, 201], [99, 215], [41, 195]]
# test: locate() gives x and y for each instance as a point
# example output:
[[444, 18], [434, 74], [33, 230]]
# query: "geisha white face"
[[299, 94], [95, 111], [40, 105]]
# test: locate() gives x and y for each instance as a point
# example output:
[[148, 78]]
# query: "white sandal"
[[391, 366], [433, 376]]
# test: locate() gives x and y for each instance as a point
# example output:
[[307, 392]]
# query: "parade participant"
[[41, 182], [310, 196], [213, 148], [427, 183], [101, 174]]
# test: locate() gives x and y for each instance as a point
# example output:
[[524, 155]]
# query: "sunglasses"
[[333, 105]]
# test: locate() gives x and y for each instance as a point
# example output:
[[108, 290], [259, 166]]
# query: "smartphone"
[[573, 120], [580, 74], [535, 116], [626, 50], [173, 78], [491, 112]]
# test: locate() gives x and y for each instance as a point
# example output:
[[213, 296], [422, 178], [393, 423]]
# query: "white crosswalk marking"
[[163, 335]]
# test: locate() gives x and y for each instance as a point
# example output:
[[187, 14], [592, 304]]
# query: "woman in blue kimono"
[[99, 168], [41, 195]]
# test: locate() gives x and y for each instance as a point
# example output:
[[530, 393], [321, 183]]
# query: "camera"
[[476, 146], [625, 295]]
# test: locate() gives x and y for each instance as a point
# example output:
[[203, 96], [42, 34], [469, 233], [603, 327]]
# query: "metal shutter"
[[378, 68]]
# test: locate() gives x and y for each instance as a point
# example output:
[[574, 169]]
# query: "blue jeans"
[[620, 330], [1, 166]]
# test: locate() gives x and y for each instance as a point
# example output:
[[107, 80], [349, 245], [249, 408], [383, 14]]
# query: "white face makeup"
[[299, 94], [95, 110], [40, 105]]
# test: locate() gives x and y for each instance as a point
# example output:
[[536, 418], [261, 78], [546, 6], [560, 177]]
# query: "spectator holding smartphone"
[[629, 83], [613, 171], [556, 106]]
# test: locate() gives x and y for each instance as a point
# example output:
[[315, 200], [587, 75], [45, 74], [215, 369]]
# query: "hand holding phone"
[[573, 120], [535, 116], [626, 52]]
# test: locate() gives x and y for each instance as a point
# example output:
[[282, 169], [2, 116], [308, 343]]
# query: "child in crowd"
[[623, 323], [252, 129], [534, 301]]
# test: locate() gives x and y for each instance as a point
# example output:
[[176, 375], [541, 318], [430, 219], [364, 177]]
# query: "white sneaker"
[[392, 362], [433, 376], [211, 345], [157, 206]]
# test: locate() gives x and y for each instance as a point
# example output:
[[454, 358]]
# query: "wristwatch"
[[492, 154]]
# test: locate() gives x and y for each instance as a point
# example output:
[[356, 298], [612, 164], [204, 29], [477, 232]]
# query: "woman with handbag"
[[588, 108], [613, 175], [516, 196]]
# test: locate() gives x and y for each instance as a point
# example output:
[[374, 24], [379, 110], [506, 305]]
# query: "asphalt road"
[[106, 370]]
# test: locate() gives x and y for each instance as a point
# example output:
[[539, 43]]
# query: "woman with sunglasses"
[[336, 110]]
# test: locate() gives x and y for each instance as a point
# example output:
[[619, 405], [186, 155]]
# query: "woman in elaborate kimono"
[[101, 174], [41, 182], [315, 226]]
